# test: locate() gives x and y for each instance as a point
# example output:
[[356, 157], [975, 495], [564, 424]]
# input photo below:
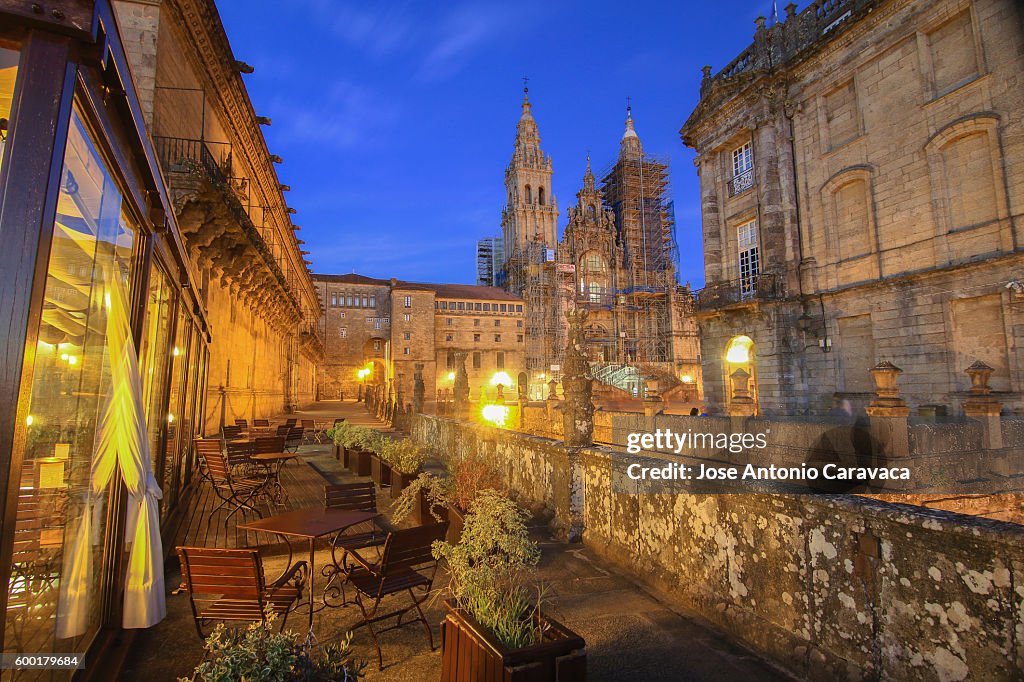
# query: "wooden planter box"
[[456, 517], [399, 481], [470, 653], [380, 471], [359, 462], [422, 512], [337, 452]]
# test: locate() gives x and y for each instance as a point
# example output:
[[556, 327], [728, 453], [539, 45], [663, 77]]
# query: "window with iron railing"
[[742, 169], [749, 258]]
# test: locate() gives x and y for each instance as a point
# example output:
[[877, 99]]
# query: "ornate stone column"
[[889, 412], [984, 406], [578, 410], [419, 389], [461, 389]]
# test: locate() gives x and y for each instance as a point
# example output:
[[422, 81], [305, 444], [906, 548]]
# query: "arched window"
[[529, 195], [591, 213], [540, 196]]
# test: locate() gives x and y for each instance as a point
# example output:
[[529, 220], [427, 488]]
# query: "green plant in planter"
[[343, 434], [491, 567], [438, 494], [369, 439], [260, 654], [470, 476], [404, 455]]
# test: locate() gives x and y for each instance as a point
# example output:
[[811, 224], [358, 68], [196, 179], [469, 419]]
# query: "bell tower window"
[[529, 195], [540, 196]]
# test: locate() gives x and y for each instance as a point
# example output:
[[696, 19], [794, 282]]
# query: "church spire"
[[630, 145], [588, 177]]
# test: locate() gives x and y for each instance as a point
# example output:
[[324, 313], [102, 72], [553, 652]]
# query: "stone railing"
[[818, 22], [828, 586]]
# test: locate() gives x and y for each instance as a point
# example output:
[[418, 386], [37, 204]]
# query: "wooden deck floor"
[[202, 527]]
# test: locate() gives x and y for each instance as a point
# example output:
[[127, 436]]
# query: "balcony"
[[762, 287], [741, 183]]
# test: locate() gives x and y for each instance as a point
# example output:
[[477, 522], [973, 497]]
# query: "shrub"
[[470, 476], [438, 493], [259, 654], [404, 455], [343, 434], [490, 567], [369, 439]]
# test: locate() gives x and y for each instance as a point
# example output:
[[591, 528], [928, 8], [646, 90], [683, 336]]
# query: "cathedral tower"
[[529, 221]]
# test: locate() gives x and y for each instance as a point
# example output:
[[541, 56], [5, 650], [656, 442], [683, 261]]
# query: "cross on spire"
[[526, 82], [629, 105]]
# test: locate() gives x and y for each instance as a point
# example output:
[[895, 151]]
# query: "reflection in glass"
[[155, 358], [8, 75], [55, 576]]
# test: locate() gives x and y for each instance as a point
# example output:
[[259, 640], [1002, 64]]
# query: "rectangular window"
[[444, 305], [478, 306], [504, 308], [405, 351], [500, 360], [406, 317], [742, 159], [476, 337], [376, 323], [746, 241], [350, 301], [487, 307], [334, 300], [476, 323], [497, 323], [519, 338], [373, 301], [366, 301], [376, 345], [497, 338], [449, 337], [408, 336], [449, 321], [341, 314], [519, 323], [519, 308], [343, 332], [477, 355], [408, 301], [461, 305]]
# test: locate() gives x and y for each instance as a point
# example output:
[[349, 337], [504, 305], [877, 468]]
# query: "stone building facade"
[[862, 177], [262, 308], [389, 327]]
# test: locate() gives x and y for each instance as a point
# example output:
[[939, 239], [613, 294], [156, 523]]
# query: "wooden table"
[[276, 461], [308, 524]]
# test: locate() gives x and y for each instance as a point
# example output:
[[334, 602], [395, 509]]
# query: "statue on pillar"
[[419, 389], [461, 389], [577, 384]]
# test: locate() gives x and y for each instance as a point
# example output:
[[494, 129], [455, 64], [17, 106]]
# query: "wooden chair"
[[406, 565], [265, 445], [309, 430], [242, 424], [294, 438], [229, 432], [350, 497], [261, 423], [229, 585], [237, 493], [283, 429], [291, 422]]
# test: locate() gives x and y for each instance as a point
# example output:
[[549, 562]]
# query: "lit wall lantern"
[[687, 379], [738, 352]]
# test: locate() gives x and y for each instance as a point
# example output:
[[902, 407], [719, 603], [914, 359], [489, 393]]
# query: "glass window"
[[742, 159], [175, 431], [497, 338], [746, 239], [476, 337], [461, 305], [478, 306], [366, 301], [504, 307], [487, 307], [408, 301], [500, 360], [156, 357], [476, 323], [497, 323], [519, 308], [343, 332], [60, 524], [349, 299], [405, 351], [373, 301]]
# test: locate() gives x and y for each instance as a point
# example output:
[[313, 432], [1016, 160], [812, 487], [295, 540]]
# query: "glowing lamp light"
[[170, 418], [501, 378], [739, 350], [29, 420], [63, 356], [451, 376], [687, 379], [496, 414], [72, 360], [176, 351]]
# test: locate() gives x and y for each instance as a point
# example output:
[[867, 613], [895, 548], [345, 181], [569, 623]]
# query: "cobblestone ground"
[[631, 633]]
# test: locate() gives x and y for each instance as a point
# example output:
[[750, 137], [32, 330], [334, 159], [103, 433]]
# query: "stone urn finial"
[[740, 385], [500, 397], [980, 373], [885, 374]]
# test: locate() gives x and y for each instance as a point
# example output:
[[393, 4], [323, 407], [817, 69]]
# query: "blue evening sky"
[[396, 119]]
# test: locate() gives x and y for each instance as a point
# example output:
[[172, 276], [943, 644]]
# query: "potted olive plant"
[[341, 434], [405, 458], [495, 629]]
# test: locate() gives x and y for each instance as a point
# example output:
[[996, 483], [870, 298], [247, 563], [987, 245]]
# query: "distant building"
[[861, 190], [387, 326], [490, 262]]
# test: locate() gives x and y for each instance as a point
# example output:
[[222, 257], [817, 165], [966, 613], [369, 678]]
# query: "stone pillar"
[[500, 397], [984, 406], [578, 411], [742, 403], [461, 389], [653, 402], [889, 412], [419, 389], [552, 390]]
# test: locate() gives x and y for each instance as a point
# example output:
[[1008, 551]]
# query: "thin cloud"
[[459, 36], [344, 115]]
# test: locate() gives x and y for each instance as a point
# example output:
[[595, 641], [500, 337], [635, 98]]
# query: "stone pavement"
[[631, 634]]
